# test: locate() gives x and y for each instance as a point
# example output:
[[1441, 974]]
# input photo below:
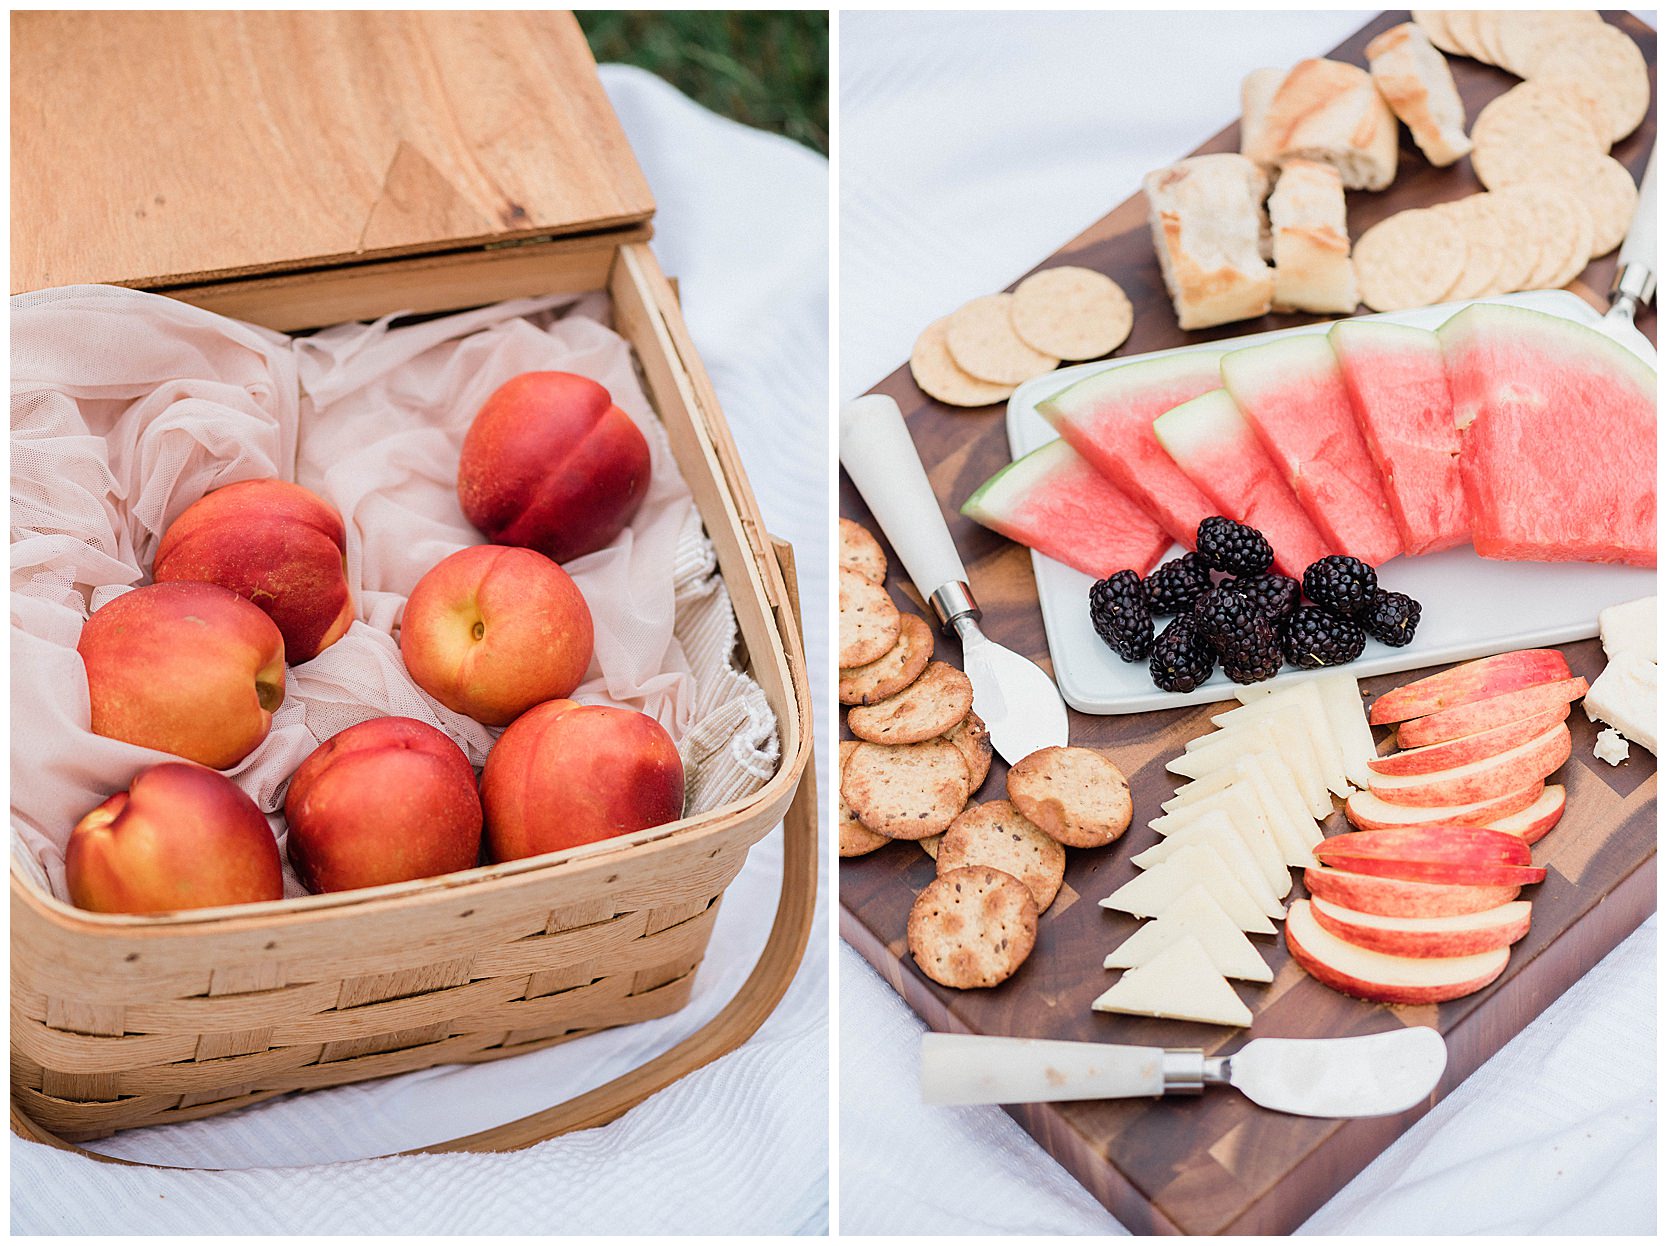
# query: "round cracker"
[[1461, 32], [982, 342], [940, 377], [1534, 131], [1074, 313], [855, 839], [1484, 247], [1564, 227], [972, 927], [999, 836], [859, 551], [1609, 64], [928, 707], [868, 619], [1524, 34], [906, 791], [1484, 35], [892, 672], [1434, 23], [1408, 260], [1515, 215], [972, 737], [1074, 794], [1611, 197]]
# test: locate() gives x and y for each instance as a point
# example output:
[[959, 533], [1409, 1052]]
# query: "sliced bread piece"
[[1321, 110], [1207, 225], [1416, 82], [1312, 270]]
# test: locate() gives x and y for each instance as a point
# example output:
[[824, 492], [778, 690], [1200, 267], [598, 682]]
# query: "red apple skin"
[[1469, 681], [1304, 936], [550, 463], [1534, 822], [1397, 897], [272, 543], [386, 801], [1435, 842], [180, 837], [1511, 925], [1477, 716], [1439, 871], [493, 630], [1450, 754], [1368, 812], [188, 668], [565, 774], [1500, 776]]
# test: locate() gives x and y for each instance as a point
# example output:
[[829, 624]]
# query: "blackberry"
[[1391, 617], [1173, 587], [1275, 595], [1181, 659], [1234, 547], [1314, 637], [1117, 608], [1341, 584], [1224, 617], [1255, 656]]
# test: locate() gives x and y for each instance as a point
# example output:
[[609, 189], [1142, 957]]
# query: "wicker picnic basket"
[[120, 1022]]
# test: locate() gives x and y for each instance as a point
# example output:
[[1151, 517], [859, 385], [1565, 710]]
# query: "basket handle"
[[739, 1020]]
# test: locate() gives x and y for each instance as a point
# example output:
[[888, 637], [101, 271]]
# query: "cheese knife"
[[1635, 271], [1017, 701], [1374, 1075]]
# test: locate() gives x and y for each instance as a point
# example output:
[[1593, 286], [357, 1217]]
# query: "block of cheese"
[[1312, 270], [1248, 823], [1207, 225], [1624, 697], [1195, 914], [1215, 832], [1181, 983], [1147, 894], [1629, 628], [1305, 696], [1322, 110]]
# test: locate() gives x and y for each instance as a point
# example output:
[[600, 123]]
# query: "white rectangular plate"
[[1473, 606]]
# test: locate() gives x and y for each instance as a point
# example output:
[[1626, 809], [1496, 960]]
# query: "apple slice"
[[1369, 812], [1469, 681], [1463, 935], [1481, 715], [1214, 830], [1435, 842], [1382, 978], [1195, 914], [1449, 754], [1147, 894], [1466, 860], [1533, 822], [1509, 772], [1396, 897], [1180, 982]]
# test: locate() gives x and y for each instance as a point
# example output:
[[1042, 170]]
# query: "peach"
[[1510, 771], [550, 463], [1387, 979], [491, 631], [385, 801], [272, 543], [188, 668], [565, 774], [1470, 681], [1397, 897], [180, 837]]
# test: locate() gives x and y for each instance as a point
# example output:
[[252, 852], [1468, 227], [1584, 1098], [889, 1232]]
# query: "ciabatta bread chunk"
[[1207, 226], [1312, 270], [1320, 110], [1416, 82]]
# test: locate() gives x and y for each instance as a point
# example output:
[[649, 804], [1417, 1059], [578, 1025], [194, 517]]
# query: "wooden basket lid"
[[153, 149]]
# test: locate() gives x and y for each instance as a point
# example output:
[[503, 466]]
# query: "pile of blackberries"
[[1253, 620]]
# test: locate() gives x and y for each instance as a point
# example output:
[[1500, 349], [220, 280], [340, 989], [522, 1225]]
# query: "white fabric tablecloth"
[[738, 1147], [971, 146]]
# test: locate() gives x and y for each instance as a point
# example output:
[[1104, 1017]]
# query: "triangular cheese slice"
[[1180, 982], [1214, 831], [1248, 821], [1285, 731], [1294, 835], [1148, 893], [1316, 723], [1341, 693], [1198, 915]]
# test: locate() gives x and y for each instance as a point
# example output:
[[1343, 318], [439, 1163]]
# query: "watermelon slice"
[[1210, 441], [1055, 502], [1397, 384], [1292, 394], [1108, 418], [1558, 449]]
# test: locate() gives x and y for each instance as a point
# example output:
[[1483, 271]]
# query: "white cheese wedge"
[[1147, 894], [1294, 835], [1315, 721], [1285, 733], [1216, 832], [1624, 697], [1611, 747], [1181, 983], [1195, 914], [1249, 824], [1347, 714], [1629, 628]]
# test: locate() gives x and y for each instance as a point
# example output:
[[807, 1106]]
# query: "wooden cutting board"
[[1220, 1164]]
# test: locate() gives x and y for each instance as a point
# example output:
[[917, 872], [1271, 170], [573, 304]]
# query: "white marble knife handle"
[[973, 1068], [879, 454], [1635, 270]]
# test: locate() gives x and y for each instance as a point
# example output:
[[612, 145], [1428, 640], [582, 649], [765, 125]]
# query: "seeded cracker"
[[868, 620], [972, 927], [1074, 794], [1074, 313], [859, 551], [929, 707], [906, 791], [982, 342], [855, 839], [894, 671], [972, 737], [999, 836]]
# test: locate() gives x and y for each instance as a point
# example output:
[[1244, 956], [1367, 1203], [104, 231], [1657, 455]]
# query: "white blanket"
[[973, 145], [738, 1147]]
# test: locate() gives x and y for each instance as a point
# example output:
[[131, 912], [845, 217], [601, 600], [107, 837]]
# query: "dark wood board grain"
[[1220, 1164]]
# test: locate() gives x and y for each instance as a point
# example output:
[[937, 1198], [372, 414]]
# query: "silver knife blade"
[[1374, 1075], [1015, 698]]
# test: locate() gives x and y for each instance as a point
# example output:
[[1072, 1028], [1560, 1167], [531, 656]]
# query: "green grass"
[[765, 68]]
